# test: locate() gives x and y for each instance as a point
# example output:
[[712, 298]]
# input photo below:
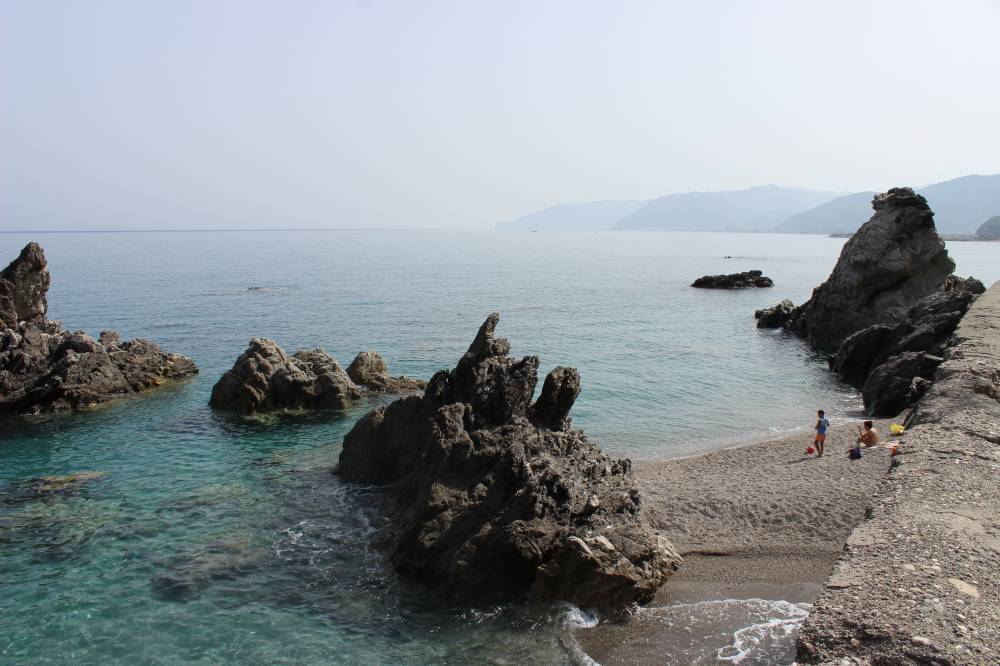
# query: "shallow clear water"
[[212, 539]]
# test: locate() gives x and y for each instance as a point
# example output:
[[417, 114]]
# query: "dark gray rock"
[[491, 497], [925, 328], [29, 281], [746, 280], [894, 260], [774, 316], [368, 369], [899, 382], [45, 368], [264, 379]]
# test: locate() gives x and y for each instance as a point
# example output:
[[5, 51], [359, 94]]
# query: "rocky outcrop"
[[746, 280], [23, 286], [265, 379], [774, 316], [895, 362], [369, 370], [894, 260], [491, 497], [45, 368], [917, 582]]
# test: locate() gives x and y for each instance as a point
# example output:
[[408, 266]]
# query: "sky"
[[295, 114]]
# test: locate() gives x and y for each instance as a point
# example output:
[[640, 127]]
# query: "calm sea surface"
[[215, 540]]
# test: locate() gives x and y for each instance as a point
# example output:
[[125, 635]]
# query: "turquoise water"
[[211, 539]]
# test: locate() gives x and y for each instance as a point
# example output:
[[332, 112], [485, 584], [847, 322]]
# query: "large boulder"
[[876, 357], [265, 379], [746, 280], [368, 369], [492, 497], [894, 260], [774, 316], [45, 368]]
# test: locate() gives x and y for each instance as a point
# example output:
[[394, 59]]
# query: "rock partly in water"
[[746, 280], [45, 368], [492, 497], [368, 369], [774, 316], [894, 260], [265, 379]]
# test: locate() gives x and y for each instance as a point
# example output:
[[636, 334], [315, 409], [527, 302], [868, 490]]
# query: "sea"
[[204, 538]]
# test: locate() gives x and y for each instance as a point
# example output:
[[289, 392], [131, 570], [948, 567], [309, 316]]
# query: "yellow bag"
[[896, 429]]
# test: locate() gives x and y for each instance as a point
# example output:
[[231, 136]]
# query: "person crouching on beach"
[[869, 436], [821, 427]]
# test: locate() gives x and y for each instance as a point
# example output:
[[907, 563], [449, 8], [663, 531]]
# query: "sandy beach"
[[761, 521]]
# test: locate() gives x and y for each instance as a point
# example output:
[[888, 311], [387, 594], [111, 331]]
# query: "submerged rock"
[[45, 368], [745, 280], [492, 497], [369, 369], [774, 316], [894, 260]]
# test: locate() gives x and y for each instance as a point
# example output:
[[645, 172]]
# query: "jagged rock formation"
[[745, 280], [265, 379], [492, 497], [369, 369], [895, 362], [917, 582], [23, 286], [45, 368], [774, 316], [894, 260]]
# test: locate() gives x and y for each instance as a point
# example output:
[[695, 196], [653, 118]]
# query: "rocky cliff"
[[492, 497], [894, 260], [45, 368], [918, 582]]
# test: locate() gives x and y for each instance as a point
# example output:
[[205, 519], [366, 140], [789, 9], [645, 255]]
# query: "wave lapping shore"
[[919, 581]]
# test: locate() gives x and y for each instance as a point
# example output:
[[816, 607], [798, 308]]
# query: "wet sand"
[[762, 521]]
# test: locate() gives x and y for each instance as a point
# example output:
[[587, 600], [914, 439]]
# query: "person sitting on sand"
[[821, 427], [869, 436]]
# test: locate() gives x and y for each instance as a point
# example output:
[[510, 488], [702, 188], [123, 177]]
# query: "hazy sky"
[[461, 114]]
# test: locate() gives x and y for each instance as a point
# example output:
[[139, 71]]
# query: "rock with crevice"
[[492, 497], [45, 368], [894, 260], [745, 280]]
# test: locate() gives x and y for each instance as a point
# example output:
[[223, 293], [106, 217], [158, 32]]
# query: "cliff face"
[[894, 260], [918, 580]]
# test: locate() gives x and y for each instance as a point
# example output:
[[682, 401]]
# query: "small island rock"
[[746, 280], [492, 498], [265, 379]]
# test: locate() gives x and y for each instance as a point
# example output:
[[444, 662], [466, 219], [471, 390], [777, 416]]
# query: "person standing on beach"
[[822, 425]]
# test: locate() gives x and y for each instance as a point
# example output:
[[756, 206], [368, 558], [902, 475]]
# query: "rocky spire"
[[23, 286]]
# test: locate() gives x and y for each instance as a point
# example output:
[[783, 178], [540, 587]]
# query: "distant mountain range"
[[593, 215], [960, 206]]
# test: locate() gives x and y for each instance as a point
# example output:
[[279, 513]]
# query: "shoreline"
[[759, 520]]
